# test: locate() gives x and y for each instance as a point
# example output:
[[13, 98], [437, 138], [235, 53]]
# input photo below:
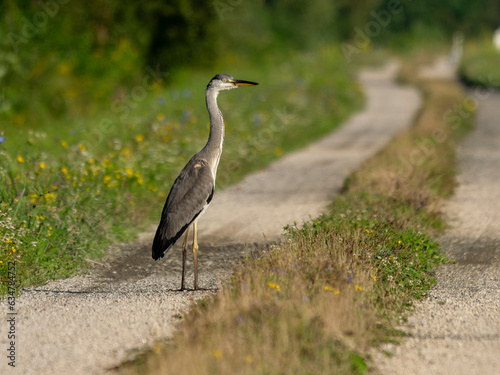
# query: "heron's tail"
[[161, 244]]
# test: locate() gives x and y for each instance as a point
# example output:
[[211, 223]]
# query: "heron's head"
[[226, 82]]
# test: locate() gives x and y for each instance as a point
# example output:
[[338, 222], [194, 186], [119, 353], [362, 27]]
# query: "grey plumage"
[[191, 192], [193, 189]]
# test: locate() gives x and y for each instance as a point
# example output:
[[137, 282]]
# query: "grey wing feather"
[[191, 192]]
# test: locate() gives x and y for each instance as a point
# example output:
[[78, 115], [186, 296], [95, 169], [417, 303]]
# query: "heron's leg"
[[184, 253], [195, 254]]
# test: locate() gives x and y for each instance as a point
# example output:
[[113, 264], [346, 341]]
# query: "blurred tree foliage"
[[67, 57], [427, 19]]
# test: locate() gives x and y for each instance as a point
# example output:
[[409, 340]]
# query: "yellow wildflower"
[[50, 198], [330, 289], [20, 159], [64, 144], [139, 138], [274, 286], [82, 147], [42, 165], [140, 181]]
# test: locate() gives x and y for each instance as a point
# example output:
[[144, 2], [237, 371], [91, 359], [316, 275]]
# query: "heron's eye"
[[224, 79]]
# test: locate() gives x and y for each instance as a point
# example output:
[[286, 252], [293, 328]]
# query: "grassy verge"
[[480, 64], [69, 188], [340, 284]]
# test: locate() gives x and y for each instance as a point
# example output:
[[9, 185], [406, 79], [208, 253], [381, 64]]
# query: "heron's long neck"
[[213, 148]]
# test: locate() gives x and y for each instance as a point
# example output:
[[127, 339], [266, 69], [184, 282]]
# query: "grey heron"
[[193, 189]]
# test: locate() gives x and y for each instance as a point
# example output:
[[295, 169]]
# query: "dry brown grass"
[[265, 323], [292, 311]]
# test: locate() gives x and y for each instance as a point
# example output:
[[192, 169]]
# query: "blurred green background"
[[69, 57], [101, 102]]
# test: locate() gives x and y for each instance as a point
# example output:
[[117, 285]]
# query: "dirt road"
[[89, 323], [457, 329]]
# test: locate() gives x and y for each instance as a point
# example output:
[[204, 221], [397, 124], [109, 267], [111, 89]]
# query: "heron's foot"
[[196, 281]]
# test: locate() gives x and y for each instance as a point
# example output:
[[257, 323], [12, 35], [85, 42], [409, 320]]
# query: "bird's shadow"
[[134, 264], [64, 291], [190, 290], [96, 291]]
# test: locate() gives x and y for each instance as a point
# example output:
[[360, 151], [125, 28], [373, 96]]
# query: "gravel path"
[[457, 329], [90, 323]]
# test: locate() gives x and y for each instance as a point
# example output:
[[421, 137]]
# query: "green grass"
[[70, 187], [480, 64], [340, 284]]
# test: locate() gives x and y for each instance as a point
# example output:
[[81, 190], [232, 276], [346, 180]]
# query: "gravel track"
[[91, 323], [456, 330]]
